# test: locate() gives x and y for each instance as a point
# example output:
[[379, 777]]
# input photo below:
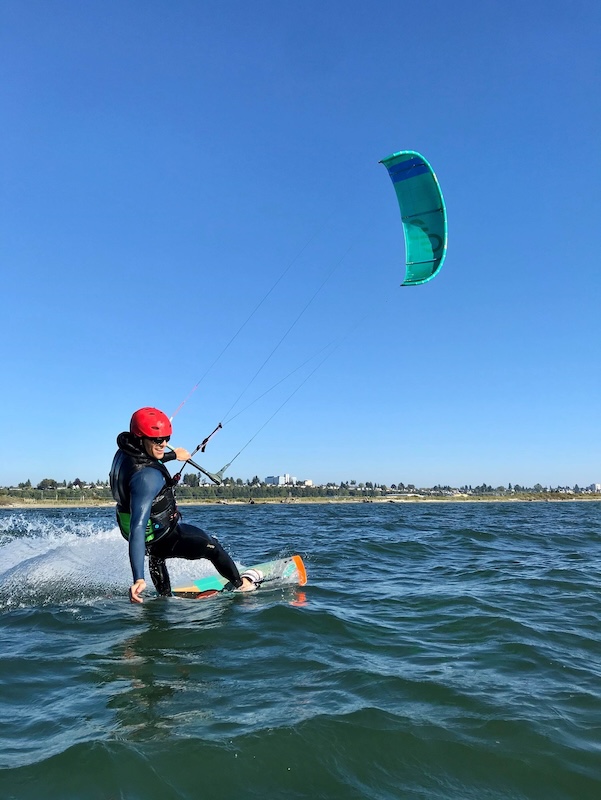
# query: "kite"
[[423, 214]]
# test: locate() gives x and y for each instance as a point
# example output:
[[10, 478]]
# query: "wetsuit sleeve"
[[144, 487], [169, 456]]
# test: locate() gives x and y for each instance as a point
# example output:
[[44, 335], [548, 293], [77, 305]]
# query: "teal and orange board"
[[281, 572]]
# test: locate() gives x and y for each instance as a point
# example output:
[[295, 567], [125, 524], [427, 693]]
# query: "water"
[[439, 651]]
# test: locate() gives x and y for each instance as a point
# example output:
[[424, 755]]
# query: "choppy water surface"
[[438, 651]]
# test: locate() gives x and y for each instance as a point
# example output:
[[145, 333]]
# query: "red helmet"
[[150, 422]]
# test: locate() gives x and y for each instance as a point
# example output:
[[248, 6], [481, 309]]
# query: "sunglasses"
[[158, 439]]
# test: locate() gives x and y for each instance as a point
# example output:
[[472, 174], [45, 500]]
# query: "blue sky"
[[165, 163]]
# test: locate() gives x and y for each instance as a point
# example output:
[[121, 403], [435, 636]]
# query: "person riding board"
[[147, 513]]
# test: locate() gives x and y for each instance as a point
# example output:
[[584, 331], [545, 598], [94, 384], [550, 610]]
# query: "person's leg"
[[192, 543], [159, 574]]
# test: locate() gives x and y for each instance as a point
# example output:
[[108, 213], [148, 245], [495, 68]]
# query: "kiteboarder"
[[147, 513]]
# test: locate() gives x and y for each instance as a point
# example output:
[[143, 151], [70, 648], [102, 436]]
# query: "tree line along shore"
[[52, 493]]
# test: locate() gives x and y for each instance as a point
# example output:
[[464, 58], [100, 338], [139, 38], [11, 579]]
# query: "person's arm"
[[176, 452], [144, 487]]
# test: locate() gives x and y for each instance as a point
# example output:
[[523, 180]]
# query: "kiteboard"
[[281, 572]]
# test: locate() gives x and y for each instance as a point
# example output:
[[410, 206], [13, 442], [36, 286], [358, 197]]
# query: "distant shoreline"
[[53, 504]]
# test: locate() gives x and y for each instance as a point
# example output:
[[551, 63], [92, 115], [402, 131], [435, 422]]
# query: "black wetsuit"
[[148, 517]]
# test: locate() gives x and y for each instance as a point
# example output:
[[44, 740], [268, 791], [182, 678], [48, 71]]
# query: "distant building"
[[281, 480]]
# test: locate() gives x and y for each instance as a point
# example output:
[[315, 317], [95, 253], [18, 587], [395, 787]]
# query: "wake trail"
[[45, 561]]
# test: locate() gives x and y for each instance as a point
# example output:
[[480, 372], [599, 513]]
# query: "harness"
[[129, 459]]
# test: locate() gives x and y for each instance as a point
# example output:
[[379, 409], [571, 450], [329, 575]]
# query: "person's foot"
[[247, 585], [251, 578]]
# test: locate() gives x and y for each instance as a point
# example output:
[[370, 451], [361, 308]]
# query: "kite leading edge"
[[423, 213]]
